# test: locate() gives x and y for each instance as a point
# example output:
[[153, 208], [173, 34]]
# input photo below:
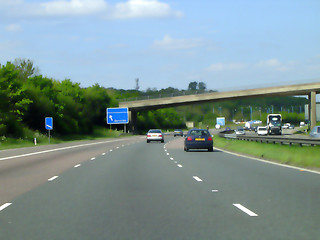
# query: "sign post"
[[118, 116], [49, 124]]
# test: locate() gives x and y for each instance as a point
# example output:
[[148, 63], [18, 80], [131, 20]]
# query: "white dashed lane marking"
[[246, 210], [4, 206], [197, 178], [78, 165], [92, 158], [53, 178]]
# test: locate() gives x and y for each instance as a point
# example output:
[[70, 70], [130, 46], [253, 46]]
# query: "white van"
[[262, 130]]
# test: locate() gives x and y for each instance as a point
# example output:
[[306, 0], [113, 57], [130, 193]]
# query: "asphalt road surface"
[[128, 189]]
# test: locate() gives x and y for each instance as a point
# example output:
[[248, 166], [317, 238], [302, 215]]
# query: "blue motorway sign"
[[49, 123], [117, 115], [221, 121]]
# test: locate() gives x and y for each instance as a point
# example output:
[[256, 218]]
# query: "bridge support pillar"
[[132, 121], [312, 109]]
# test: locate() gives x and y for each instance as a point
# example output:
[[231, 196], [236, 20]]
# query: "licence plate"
[[199, 139], [154, 135]]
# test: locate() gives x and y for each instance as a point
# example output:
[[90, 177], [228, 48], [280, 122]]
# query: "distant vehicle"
[[253, 128], [178, 132], [262, 130], [286, 126], [274, 122], [198, 139], [252, 125], [302, 124], [155, 135], [315, 132], [240, 131], [291, 126], [247, 125]]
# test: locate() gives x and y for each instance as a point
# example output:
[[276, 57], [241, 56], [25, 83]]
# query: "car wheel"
[[162, 141], [187, 149], [210, 149], [148, 141]]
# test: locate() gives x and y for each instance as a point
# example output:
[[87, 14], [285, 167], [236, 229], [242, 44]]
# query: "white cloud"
[[73, 7], [275, 64], [122, 10], [269, 63], [143, 9], [13, 28], [168, 43], [226, 66]]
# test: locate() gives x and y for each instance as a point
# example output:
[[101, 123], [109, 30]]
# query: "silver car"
[[155, 135], [315, 132]]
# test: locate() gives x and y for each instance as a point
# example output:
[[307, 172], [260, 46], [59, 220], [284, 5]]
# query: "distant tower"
[[137, 84]]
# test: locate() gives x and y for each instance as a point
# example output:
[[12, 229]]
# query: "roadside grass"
[[43, 139], [306, 156]]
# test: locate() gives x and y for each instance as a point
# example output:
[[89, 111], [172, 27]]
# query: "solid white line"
[[56, 149], [246, 210], [197, 178], [179, 165], [92, 158], [53, 178], [4, 206], [78, 165], [270, 162]]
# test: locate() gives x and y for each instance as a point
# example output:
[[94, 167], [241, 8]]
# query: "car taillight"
[[148, 135], [189, 139], [209, 138], [160, 135]]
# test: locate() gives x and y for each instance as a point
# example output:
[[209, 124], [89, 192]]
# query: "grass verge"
[[42, 139], [306, 156]]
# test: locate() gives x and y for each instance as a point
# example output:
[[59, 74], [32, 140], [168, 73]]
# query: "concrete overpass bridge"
[[309, 89]]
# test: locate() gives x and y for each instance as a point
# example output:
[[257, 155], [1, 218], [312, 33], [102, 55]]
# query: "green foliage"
[[162, 119]]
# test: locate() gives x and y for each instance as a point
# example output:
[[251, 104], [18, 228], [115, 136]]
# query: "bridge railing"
[[166, 95]]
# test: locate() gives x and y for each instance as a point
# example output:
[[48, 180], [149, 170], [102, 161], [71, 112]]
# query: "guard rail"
[[275, 139]]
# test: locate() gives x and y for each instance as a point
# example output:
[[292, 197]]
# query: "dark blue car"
[[198, 139]]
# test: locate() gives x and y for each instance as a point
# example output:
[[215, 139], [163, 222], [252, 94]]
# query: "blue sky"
[[226, 44]]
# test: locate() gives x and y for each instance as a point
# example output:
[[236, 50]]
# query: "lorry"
[[274, 124]]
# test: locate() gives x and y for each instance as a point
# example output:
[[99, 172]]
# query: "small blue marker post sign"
[[221, 121], [49, 125]]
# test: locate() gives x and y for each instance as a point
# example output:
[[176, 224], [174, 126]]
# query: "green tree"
[[202, 86], [14, 102], [192, 86]]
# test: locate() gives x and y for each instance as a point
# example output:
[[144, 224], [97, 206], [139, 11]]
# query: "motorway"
[[127, 189]]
